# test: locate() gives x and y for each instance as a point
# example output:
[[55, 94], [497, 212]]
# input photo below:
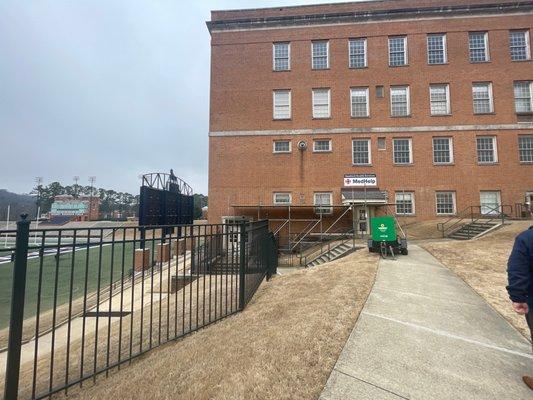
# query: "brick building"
[[387, 106], [80, 208]]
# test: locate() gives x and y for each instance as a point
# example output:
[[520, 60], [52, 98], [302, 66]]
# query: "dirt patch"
[[283, 346], [482, 263]]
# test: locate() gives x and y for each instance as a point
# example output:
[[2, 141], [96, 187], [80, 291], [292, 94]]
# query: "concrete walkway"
[[425, 334]]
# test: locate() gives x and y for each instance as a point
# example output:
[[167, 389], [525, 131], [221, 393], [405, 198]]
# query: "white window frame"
[[454, 204], [408, 98], [276, 201], [494, 150], [450, 145], [315, 150], [365, 53], [314, 104], [367, 97], [491, 98], [281, 152], [530, 84], [323, 208], [520, 149], [412, 194], [410, 140], [448, 101], [405, 51], [327, 54], [445, 48], [486, 43], [527, 40], [369, 144], [274, 104], [274, 56], [492, 209]]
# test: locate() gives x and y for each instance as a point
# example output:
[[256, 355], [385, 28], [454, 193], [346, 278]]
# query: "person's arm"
[[519, 275]]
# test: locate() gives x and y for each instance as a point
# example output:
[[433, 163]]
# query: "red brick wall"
[[243, 170]]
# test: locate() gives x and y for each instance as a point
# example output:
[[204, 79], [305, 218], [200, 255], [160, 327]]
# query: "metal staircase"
[[334, 253], [472, 230]]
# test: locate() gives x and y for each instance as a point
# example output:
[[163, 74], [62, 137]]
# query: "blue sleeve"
[[518, 271]]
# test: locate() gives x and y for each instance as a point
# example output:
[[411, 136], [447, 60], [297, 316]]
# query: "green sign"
[[383, 229]]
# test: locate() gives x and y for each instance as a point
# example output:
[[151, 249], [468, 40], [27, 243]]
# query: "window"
[[486, 149], [282, 104], [437, 49], [439, 99], [402, 152], [397, 51], [359, 101], [523, 95], [519, 45], [282, 56], [382, 143], [320, 52], [361, 151], [478, 43], [380, 93], [322, 145], [442, 150], [525, 148], [321, 201], [445, 202], [282, 198], [357, 53], [282, 146], [482, 98], [399, 101], [405, 203], [490, 202], [321, 107]]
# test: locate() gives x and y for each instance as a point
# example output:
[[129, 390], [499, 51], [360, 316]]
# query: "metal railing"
[[474, 214], [82, 304]]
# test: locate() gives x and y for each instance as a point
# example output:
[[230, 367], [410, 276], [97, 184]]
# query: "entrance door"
[[490, 202]]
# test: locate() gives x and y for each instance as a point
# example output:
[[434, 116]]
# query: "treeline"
[[20, 204]]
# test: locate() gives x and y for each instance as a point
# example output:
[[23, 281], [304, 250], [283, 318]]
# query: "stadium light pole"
[[7, 223]]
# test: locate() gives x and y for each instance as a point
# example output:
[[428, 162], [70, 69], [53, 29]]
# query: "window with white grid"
[[320, 50], [282, 146], [478, 43], [402, 151], [405, 203], [321, 108], [523, 95], [519, 45], [482, 98], [321, 145], [437, 49], [282, 198], [282, 54], [486, 149], [361, 151], [397, 51], [399, 101], [321, 202], [442, 150], [357, 53], [439, 99], [282, 104], [359, 102], [445, 202], [525, 148]]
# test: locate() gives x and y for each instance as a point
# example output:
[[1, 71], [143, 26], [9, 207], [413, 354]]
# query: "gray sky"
[[106, 88]]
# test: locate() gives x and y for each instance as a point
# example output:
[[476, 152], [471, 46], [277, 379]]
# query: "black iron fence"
[[76, 303]]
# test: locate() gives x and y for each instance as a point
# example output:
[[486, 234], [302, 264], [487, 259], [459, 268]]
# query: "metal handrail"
[[468, 213], [305, 234]]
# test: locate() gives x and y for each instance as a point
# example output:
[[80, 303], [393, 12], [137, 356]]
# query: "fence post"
[[17, 309], [242, 267]]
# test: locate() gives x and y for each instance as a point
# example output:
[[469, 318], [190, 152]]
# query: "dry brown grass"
[[283, 346], [482, 264], [423, 229]]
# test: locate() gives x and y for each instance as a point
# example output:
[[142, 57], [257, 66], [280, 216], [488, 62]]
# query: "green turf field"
[[64, 272]]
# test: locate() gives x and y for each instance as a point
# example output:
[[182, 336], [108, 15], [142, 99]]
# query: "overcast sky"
[[107, 88]]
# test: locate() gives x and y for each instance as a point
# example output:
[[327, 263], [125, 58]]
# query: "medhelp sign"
[[360, 180]]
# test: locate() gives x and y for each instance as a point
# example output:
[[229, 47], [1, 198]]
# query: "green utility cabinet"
[[384, 235]]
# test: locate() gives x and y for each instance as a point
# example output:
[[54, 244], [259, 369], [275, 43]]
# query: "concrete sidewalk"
[[425, 334]]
